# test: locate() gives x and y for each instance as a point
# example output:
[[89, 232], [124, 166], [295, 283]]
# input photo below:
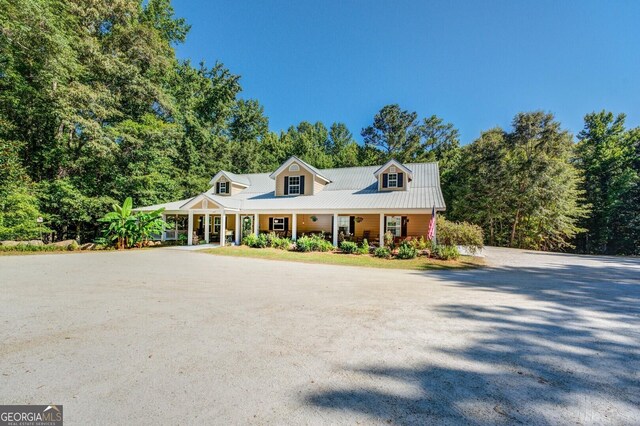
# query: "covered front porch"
[[337, 227], [199, 226]]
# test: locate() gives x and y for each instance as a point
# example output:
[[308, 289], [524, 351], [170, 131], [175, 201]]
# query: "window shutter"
[[270, 224], [217, 187], [352, 224], [301, 185], [286, 185], [400, 180], [403, 226], [286, 225], [385, 227], [385, 180]]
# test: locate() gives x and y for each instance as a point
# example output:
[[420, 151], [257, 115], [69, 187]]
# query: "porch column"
[[190, 229], [223, 228], [206, 228], [381, 229], [294, 226], [238, 228], [335, 229], [163, 236], [256, 224]]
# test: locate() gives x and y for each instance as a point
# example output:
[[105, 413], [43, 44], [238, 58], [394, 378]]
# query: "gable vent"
[[294, 168]]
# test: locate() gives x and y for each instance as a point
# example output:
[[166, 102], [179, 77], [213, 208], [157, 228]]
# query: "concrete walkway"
[[180, 337], [192, 248]]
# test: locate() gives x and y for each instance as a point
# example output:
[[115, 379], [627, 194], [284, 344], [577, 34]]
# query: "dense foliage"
[[313, 242], [124, 229], [459, 234], [95, 107]]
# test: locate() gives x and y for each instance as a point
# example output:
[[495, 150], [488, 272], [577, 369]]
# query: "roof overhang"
[[393, 162], [306, 166]]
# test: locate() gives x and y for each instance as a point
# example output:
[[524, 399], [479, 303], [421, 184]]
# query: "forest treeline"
[[95, 107]]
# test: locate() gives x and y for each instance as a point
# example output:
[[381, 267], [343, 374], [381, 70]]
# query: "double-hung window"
[[216, 224], [278, 223], [392, 181], [394, 225], [294, 185], [224, 187], [343, 225]]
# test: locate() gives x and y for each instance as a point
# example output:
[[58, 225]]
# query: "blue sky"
[[473, 63]]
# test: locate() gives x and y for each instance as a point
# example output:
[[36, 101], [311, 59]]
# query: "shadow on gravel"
[[575, 360]]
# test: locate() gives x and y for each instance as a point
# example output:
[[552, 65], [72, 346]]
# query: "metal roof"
[[353, 188], [235, 178]]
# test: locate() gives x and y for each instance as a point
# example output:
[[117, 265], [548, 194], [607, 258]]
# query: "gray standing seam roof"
[[350, 188]]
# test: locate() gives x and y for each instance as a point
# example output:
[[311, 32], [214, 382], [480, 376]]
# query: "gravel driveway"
[[167, 336]]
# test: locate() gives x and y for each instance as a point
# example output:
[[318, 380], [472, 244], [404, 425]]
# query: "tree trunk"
[[491, 240], [513, 229]]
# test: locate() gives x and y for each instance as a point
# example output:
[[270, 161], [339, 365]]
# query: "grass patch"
[[418, 263]]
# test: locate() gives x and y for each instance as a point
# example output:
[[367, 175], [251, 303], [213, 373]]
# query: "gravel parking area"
[[176, 337]]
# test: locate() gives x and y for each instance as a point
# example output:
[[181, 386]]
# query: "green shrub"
[[30, 248], [313, 243], [250, 240], [364, 248], [418, 243], [281, 243], [459, 234], [446, 252], [348, 247], [382, 252], [406, 251], [389, 239], [261, 242]]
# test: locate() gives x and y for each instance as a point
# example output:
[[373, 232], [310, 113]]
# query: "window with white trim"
[[278, 224], [343, 225], [294, 185], [216, 224], [392, 180], [224, 187], [394, 225]]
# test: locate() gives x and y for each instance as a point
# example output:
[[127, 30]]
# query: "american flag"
[[432, 224]]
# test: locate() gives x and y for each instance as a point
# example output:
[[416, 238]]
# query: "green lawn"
[[419, 263]]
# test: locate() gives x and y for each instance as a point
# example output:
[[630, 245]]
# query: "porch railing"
[[172, 234]]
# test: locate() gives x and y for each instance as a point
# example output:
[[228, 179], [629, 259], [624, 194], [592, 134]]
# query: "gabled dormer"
[[393, 176], [227, 183], [295, 177]]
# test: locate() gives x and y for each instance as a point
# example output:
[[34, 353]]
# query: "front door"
[[247, 226]]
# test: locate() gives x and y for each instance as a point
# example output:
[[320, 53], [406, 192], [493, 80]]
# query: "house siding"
[[318, 185]]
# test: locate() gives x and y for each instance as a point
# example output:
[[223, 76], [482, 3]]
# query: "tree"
[[401, 135], [342, 147], [521, 186], [605, 155], [396, 132], [126, 229]]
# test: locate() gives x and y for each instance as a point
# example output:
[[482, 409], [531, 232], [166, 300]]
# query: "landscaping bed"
[[339, 258]]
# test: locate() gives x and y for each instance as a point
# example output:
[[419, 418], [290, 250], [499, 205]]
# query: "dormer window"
[[294, 185], [393, 176], [393, 180], [223, 187]]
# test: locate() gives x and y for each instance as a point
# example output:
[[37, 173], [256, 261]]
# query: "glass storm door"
[[247, 226]]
